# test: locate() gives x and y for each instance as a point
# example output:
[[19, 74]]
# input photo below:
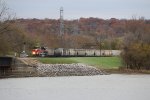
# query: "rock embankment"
[[30, 67], [49, 70], [67, 70]]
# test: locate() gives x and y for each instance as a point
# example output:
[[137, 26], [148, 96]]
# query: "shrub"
[[137, 56]]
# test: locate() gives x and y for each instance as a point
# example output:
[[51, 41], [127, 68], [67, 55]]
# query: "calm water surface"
[[102, 87]]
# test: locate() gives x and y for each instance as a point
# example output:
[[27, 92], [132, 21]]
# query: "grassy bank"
[[100, 62]]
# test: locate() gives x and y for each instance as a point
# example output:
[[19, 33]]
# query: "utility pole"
[[23, 53], [24, 47]]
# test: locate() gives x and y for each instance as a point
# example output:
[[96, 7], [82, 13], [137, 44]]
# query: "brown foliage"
[[136, 47], [47, 31]]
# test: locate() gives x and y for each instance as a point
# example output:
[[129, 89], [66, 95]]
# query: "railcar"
[[58, 52]]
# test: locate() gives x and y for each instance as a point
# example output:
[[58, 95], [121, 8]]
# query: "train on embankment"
[[68, 52]]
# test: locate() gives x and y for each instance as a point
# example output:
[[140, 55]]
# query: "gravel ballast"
[[67, 70]]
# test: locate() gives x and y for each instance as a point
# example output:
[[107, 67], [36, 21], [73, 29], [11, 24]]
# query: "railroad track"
[[29, 61]]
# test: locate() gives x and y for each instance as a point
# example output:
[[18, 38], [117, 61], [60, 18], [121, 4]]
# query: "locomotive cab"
[[39, 51]]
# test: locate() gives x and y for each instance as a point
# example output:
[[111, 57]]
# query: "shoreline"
[[126, 71]]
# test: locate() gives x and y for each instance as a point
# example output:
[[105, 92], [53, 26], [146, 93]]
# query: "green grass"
[[100, 62], [57, 60]]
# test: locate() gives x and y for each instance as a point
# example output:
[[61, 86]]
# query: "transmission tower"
[[61, 30], [61, 22]]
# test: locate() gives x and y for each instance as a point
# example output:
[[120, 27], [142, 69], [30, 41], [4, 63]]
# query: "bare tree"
[[11, 36], [99, 39], [5, 17]]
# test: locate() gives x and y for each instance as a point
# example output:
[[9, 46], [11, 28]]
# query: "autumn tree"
[[136, 44]]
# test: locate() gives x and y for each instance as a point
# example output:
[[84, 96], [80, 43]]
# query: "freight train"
[[43, 51]]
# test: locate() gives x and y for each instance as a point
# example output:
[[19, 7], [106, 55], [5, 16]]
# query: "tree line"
[[131, 36]]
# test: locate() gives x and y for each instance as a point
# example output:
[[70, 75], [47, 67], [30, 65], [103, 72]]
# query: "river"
[[101, 87]]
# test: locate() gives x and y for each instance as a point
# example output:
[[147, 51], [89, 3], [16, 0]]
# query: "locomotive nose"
[[33, 52]]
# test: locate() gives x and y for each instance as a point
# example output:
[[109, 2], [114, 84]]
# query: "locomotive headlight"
[[33, 52]]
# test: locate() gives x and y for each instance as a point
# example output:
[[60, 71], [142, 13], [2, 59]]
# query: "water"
[[102, 87]]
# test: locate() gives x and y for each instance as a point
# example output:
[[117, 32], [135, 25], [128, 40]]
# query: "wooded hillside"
[[81, 33]]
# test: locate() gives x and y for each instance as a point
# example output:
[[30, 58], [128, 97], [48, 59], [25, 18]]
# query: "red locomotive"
[[39, 51]]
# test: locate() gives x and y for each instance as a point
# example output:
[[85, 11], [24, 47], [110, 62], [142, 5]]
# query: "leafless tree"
[[5, 17]]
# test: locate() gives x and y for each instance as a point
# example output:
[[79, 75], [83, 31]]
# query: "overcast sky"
[[74, 9]]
